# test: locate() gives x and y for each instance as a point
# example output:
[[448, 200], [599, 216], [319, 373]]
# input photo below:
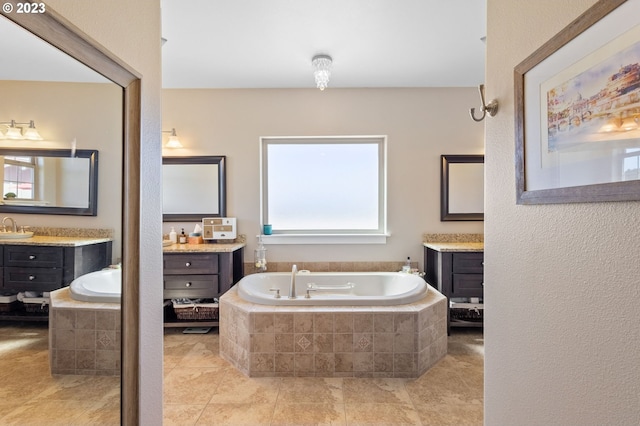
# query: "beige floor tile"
[[295, 390], [186, 385], [237, 388], [43, 412], [308, 414], [181, 414], [200, 388], [104, 413], [447, 414], [87, 388], [381, 414], [442, 386], [237, 414], [361, 390]]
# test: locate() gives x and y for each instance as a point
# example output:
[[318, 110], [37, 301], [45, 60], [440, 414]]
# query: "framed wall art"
[[577, 111]]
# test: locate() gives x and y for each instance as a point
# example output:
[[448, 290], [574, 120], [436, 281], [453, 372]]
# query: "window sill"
[[325, 239]]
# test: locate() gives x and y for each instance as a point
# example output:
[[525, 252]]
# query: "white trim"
[[319, 237], [324, 238]]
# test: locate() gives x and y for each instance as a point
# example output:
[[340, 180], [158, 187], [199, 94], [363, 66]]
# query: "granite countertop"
[[44, 240], [203, 248], [455, 246]]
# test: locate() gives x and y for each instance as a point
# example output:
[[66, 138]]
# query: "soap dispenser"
[[173, 237], [407, 266], [260, 256]]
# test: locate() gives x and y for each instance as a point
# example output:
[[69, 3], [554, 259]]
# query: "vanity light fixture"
[[173, 142], [16, 132], [322, 70]]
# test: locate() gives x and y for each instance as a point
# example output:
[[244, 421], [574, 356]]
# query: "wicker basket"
[[8, 302], [36, 305], [196, 311], [466, 311]]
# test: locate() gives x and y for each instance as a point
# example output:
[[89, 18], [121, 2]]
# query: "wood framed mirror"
[[193, 188], [58, 181], [461, 187], [57, 31]]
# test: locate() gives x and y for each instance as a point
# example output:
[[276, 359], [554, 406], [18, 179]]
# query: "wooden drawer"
[[190, 286], [467, 285], [468, 263], [33, 256], [33, 279], [190, 263]]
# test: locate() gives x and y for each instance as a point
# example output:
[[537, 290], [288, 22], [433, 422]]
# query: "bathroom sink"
[[15, 235]]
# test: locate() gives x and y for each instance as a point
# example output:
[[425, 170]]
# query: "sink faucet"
[[292, 288], [14, 225]]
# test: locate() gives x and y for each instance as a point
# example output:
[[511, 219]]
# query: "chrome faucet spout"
[[292, 288], [14, 225]]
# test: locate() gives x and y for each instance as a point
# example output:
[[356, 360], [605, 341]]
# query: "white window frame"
[[313, 236]]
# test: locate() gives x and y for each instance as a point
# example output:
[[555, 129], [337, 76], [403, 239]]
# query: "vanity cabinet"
[[199, 271], [44, 268], [457, 271]]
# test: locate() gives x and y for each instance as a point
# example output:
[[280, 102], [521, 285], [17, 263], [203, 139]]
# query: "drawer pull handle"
[[188, 284], [187, 264], [32, 256], [32, 277]]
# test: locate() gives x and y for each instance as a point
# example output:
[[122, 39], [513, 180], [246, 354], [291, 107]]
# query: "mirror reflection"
[[49, 181], [193, 188], [78, 113], [462, 187]]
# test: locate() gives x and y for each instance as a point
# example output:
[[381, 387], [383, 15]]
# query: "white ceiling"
[[373, 43], [270, 43]]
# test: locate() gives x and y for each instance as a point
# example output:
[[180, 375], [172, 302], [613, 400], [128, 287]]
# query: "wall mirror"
[[193, 188], [461, 187], [50, 181], [66, 41]]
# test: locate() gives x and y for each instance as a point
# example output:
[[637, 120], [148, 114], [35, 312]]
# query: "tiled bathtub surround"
[[249, 268], [84, 338], [333, 341]]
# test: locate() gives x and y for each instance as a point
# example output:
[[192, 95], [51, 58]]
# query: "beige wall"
[[131, 30], [561, 294], [421, 124], [90, 113]]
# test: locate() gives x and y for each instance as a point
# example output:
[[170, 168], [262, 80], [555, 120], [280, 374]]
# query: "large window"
[[324, 186], [19, 177]]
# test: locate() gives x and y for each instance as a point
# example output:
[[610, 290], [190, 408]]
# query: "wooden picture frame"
[[577, 111]]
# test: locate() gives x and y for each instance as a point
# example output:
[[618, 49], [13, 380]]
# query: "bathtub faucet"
[[292, 288]]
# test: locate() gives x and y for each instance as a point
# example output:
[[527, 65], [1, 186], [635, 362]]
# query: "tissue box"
[[195, 240]]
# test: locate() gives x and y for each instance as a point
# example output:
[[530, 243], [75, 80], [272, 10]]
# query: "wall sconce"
[[15, 132], [322, 70], [173, 142], [491, 108]]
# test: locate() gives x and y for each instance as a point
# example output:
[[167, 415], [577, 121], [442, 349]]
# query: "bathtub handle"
[[277, 290], [308, 296], [188, 284]]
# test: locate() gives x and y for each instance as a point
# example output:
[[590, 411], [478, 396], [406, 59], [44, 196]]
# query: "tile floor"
[[200, 388]]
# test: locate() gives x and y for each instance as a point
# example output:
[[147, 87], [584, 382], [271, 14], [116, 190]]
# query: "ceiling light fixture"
[[16, 132], [173, 142], [321, 70]]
